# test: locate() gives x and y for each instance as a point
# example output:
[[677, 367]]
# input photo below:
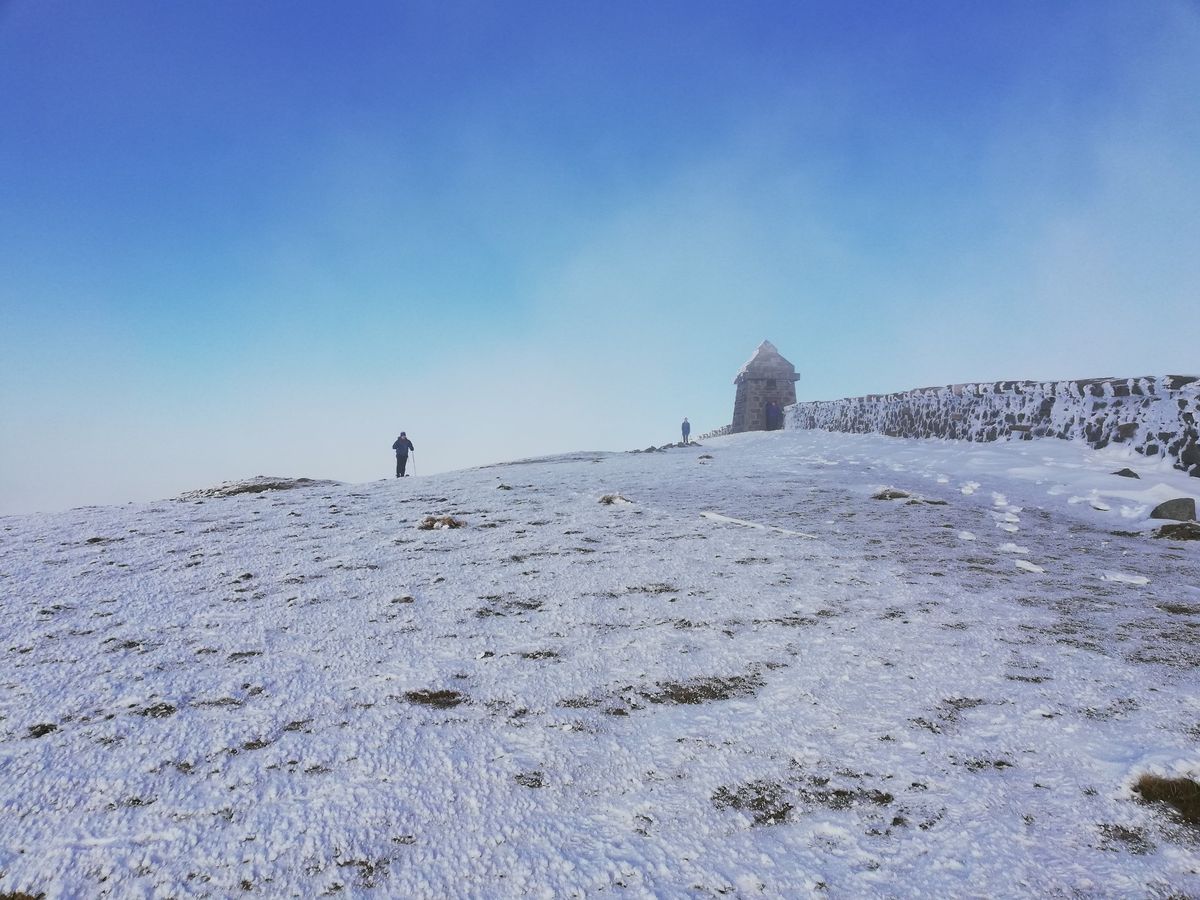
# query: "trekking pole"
[[414, 454]]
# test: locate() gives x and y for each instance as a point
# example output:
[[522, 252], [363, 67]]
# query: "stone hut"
[[766, 377]]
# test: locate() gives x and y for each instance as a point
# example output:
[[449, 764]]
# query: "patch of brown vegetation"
[[1181, 794], [610, 499]]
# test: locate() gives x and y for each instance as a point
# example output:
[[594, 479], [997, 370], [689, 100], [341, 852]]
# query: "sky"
[[264, 238]]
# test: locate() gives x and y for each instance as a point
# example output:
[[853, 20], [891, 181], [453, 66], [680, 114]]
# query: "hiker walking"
[[686, 428], [402, 447]]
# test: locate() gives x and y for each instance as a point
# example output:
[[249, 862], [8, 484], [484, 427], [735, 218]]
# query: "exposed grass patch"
[[1181, 794], [763, 800], [891, 494], [157, 711], [220, 701], [1180, 609], [369, 871], [792, 621], [960, 703], [614, 500], [529, 779], [704, 690], [981, 765], [1118, 837], [1179, 531], [844, 798], [42, 729], [438, 699], [579, 702], [656, 588]]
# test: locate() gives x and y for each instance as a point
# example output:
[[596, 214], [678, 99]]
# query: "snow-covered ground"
[[300, 693]]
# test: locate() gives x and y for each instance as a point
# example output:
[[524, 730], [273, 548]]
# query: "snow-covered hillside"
[[301, 693]]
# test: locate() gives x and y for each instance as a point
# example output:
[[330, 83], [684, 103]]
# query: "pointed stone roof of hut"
[[767, 363]]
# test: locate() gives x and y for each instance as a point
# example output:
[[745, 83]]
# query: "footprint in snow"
[[969, 487], [1010, 547], [966, 536], [1026, 566]]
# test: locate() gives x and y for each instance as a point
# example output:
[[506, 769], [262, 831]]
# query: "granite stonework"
[[765, 377], [1157, 415]]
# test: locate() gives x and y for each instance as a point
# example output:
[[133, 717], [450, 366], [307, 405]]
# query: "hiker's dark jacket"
[[402, 446]]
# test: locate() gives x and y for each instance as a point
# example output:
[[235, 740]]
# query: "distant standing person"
[[402, 446], [686, 428]]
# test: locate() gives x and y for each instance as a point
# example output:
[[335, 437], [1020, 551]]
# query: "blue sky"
[[242, 238]]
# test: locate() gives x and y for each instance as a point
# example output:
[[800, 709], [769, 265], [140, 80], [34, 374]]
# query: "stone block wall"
[[1157, 415]]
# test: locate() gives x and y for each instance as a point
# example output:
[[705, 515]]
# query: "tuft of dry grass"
[[429, 523], [1181, 794], [613, 500]]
